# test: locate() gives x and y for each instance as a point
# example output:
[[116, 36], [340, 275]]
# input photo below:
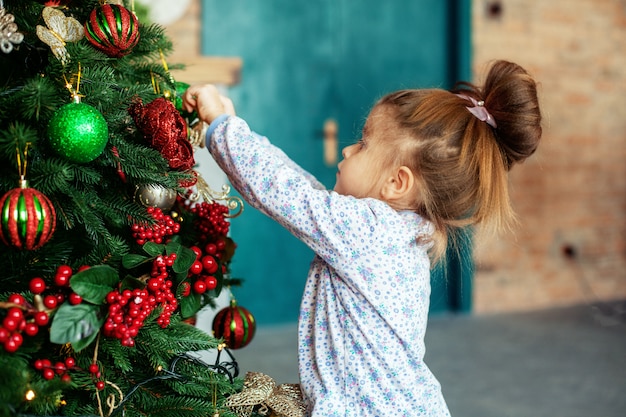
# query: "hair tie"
[[480, 111]]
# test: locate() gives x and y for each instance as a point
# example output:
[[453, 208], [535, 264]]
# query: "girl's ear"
[[399, 187]]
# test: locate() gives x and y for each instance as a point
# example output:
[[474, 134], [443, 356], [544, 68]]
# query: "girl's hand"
[[207, 101]]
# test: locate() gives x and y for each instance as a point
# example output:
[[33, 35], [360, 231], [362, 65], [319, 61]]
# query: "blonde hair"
[[462, 162]]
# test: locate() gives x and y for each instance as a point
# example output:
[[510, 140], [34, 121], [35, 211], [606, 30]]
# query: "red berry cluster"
[[202, 271], [161, 287], [210, 220], [57, 296], [22, 318], [163, 227], [49, 371], [128, 309]]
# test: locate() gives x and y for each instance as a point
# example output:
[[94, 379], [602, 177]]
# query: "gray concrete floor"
[[568, 362]]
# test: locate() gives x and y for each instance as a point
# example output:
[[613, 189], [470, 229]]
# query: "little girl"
[[428, 162]]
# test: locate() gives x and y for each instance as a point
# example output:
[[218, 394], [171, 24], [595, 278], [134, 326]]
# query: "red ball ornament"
[[113, 29], [28, 218], [234, 324]]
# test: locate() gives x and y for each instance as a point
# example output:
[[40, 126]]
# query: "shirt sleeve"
[[270, 149], [275, 185]]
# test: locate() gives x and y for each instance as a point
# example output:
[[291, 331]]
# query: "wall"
[[571, 195]]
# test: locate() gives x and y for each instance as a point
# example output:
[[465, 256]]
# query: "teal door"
[[305, 62]]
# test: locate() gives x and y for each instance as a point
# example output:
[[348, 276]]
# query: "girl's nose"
[[345, 152]]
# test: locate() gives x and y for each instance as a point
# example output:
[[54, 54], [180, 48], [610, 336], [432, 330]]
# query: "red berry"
[[186, 288], [17, 299], [210, 264], [70, 362], [64, 270], [41, 318], [112, 297], [211, 248], [75, 299], [199, 286], [50, 301], [48, 373], [160, 262], [4, 335], [39, 364], [197, 251], [10, 324], [37, 285], [59, 368], [211, 282], [31, 329], [83, 267], [62, 280], [94, 368], [196, 268], [18, 338], [15, 313], [66, 378]]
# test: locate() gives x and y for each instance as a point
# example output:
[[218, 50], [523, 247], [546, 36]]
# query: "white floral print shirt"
[[365, 305]]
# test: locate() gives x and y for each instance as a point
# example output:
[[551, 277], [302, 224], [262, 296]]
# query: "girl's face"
[[360, 173]]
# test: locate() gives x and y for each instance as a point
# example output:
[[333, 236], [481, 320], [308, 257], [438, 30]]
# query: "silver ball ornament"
[[155, 195]]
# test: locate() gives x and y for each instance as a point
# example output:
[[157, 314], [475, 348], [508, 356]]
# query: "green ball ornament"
[[181, 87], [78, 132]]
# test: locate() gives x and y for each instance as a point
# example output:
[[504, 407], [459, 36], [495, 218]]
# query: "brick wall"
[[570, 246]]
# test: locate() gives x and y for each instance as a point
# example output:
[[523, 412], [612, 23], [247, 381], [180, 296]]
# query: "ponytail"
[[461, 144]]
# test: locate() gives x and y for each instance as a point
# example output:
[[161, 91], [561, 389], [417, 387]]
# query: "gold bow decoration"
[[261, 395], [61, 29]]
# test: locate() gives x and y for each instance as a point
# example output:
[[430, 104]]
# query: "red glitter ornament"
[[166, 131], [56, 3]]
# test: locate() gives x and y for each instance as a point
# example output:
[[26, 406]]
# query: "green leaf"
[[133, 260], [132, 283], [190, 305], [153, 249], [176, 239], [185, 257], [75, 324], [95, 283], [172, 247]]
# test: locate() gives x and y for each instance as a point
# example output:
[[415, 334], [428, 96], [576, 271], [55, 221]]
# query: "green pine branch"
[[96, 205]]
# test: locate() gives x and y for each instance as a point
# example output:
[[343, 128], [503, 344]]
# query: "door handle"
[[330, 141]]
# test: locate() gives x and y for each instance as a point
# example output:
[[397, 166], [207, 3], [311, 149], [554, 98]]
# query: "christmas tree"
[[111, 242]]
